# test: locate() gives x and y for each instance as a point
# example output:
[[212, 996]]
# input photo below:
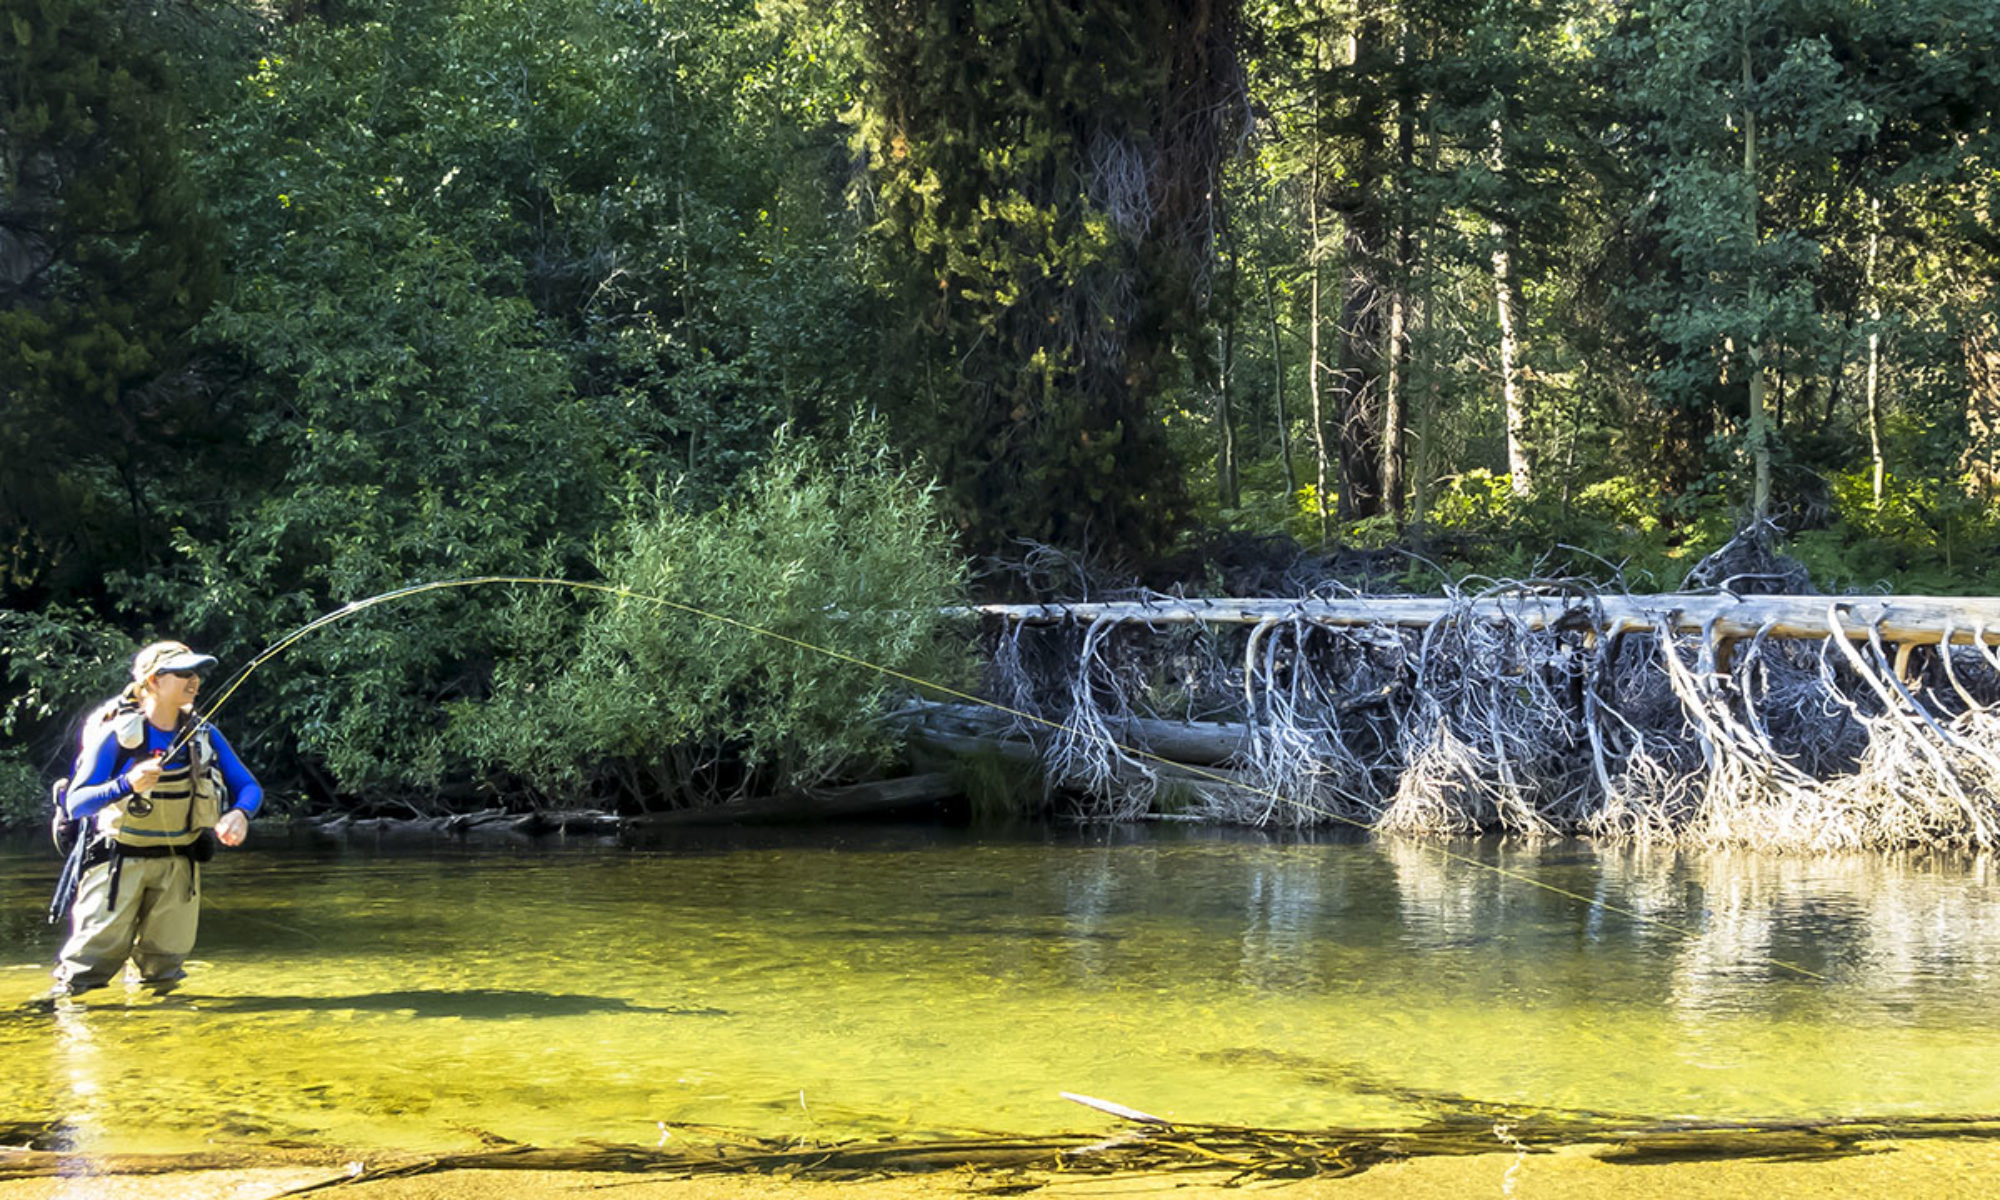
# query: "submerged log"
[[486, 823], [1916, 620]]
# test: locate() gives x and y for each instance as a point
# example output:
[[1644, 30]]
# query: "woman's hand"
[[232, 828], [143, 775]]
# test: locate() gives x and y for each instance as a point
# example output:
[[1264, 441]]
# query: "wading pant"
[[151, 921]]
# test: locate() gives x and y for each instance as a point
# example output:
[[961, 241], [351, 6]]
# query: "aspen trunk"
[[1875, 460], [1395, 403], [1320, 453], [1425, 469], [1313, 366], [1981, 460], [1520, 479], [1227, 492], [1278, 391], [1393, 417]]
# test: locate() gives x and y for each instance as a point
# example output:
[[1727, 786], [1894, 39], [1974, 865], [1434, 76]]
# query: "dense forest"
[[823, 316]]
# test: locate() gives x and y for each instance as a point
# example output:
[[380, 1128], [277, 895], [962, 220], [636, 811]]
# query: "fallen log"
[[812, 804], [1784, 722], [487, 823], [1201, 743], [565, 821], [1207, 784], [1919, 620]]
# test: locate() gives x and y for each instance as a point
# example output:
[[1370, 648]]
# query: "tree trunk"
[[1278, 390], [1357, 382], [1395, 403], [1321, 456], [1894, 620], [1507, 301], [1313, 365], [1363, 295], [1227, 492], [1878, 473], [1425, 469], [1394, 416], [1520, 475], [1981, 460], [1759, 432]]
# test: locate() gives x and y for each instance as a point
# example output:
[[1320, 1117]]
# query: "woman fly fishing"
[[150, 788]]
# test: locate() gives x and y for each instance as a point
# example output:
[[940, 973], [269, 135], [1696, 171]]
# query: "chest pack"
[[185, 803]]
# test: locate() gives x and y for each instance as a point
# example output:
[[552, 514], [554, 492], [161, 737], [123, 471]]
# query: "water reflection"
[[1287, 901]]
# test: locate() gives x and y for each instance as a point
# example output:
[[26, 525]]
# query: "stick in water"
[[1116, 1110]]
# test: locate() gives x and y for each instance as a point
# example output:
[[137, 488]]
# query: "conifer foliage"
[[102, 272], [1046, 175]]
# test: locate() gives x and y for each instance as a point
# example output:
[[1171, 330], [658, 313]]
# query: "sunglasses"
[[183, 674]]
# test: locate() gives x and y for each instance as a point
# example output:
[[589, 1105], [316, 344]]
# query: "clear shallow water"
[[410, 996]]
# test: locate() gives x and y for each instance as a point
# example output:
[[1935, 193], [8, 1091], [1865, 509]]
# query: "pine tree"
[[1046, 175], [102, 272]]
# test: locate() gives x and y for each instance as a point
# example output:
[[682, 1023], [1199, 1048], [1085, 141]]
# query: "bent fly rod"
[[236, 681]]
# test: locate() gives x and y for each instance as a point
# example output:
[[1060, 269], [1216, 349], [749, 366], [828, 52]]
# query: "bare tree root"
[[1490, 723]]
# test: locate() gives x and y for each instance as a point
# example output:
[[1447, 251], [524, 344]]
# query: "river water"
[[415, 996]]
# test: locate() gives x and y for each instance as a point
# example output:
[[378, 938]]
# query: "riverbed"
[[354, 999]]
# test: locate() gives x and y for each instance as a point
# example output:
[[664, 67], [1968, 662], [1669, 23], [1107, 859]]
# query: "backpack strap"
[[112, 719]]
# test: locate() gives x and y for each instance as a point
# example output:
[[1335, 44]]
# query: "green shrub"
[[23, 792], [1622, 500], [1473, 501], [838, 559], [1925, 537], [57, 664]]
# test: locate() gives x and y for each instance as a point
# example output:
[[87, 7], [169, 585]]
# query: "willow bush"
[[837, 557]]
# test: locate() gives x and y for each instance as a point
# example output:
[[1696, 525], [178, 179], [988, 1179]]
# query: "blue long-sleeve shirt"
[[97, 781]]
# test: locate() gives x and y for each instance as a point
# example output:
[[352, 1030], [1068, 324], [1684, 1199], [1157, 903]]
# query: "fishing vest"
[[184, 804]]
